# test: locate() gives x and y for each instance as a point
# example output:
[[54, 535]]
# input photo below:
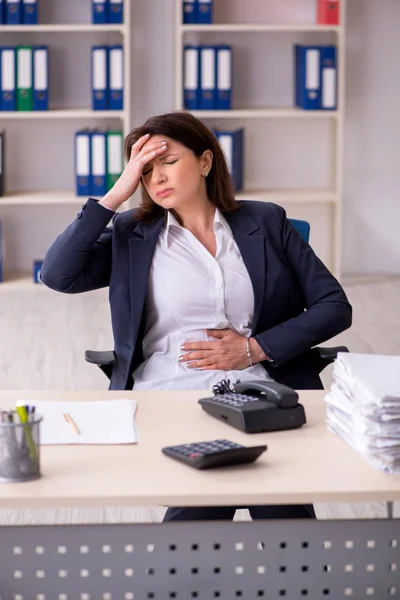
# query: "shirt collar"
[[219, 222]]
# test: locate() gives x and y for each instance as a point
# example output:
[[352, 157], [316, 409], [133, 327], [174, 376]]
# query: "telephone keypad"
[[236, 400]]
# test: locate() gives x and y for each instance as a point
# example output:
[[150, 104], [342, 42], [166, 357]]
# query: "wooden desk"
[[202, 560], [301, 466]]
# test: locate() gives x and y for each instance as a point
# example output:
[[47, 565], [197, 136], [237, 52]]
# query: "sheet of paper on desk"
[[102, 422]]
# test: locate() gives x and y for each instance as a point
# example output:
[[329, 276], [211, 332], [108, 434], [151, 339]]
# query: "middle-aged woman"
[[201, 287]]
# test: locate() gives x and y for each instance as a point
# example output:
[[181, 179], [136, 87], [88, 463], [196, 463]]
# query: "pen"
[[71, 422], [24, 418]]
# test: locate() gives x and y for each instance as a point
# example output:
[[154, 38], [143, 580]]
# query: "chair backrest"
[[303, 227]]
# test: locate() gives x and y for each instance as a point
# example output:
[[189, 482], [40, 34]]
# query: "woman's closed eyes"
[[170, 162]]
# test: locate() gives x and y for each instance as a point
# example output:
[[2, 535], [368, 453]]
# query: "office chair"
[[326, 355]]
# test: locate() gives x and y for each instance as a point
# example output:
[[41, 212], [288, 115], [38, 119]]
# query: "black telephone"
[[256, 406]]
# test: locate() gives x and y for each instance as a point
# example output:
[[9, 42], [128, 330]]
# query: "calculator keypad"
[[201, 448], [215, 453]]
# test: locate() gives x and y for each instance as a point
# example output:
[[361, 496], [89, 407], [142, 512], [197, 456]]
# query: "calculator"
[[216, 453]]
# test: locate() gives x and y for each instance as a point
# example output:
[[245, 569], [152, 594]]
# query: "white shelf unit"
[[307, 196], [40, 198], [21, 281], [257, 27], [62, 28], [63, 113], [57, 198], [303, 197], [266, 113]]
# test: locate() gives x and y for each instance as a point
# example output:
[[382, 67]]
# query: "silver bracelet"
[[248, 352]]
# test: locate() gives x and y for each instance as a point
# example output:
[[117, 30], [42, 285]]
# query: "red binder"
[[328, 12]]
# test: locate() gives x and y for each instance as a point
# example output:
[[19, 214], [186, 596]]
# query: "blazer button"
[[79, 215]]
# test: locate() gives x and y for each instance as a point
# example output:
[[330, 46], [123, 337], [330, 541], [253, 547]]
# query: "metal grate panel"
[[324, 560]]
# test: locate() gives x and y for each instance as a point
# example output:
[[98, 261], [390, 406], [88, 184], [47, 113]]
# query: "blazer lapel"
[[251, 244], [141, 251]]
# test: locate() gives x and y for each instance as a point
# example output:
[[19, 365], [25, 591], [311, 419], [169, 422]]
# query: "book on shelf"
[[328, 12], [191, 77], [204, 12], [329, 78], [207, 77], [8, 99], [224, 77], [19, 12], [82, 163], [1, 252], [98, 161], [2, 163], [24, 77], [107, 11], [13, 12], [189, 10], [99, 77], [29, 12], [100, 11], [116, 11], [36, 268], [24, 74], [232, 144], [197, 12], [107, 74], [115, 158], [315, 77], [115, 91], [40, 99]]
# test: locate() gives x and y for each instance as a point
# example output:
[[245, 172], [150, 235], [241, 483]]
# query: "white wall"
[[372, 173], [278, 153]]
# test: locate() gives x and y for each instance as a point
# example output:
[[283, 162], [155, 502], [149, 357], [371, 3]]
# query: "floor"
[[44, 336]]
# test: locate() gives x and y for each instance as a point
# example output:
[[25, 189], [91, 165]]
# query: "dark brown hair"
[[194, 135]]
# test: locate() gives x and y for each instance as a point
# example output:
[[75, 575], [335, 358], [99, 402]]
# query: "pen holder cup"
[[20, 451]]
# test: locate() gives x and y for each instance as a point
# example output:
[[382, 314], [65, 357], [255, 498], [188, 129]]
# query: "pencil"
[[71, 422], [24, 418]]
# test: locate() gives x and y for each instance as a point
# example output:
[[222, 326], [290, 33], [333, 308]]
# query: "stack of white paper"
[[363, 406], [99, 422]]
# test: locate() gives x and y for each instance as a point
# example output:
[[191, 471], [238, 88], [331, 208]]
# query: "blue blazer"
[[297, 302]]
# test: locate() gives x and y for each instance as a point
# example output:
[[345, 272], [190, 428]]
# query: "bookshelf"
[[246, 27], [54, 122]]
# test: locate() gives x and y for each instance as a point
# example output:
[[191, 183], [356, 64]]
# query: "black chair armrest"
[[100, 358], [104, 360], [329, 354], [326, 355]]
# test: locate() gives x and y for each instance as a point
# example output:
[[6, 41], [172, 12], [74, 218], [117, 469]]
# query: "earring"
[[206, 173]]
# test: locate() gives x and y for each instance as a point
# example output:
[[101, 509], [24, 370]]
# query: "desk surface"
[[305, 465]]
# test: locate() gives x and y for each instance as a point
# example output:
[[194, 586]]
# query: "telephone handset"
[[281, 394], [255, 406]]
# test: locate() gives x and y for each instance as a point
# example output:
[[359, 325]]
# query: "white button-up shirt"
[[189, 291]]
